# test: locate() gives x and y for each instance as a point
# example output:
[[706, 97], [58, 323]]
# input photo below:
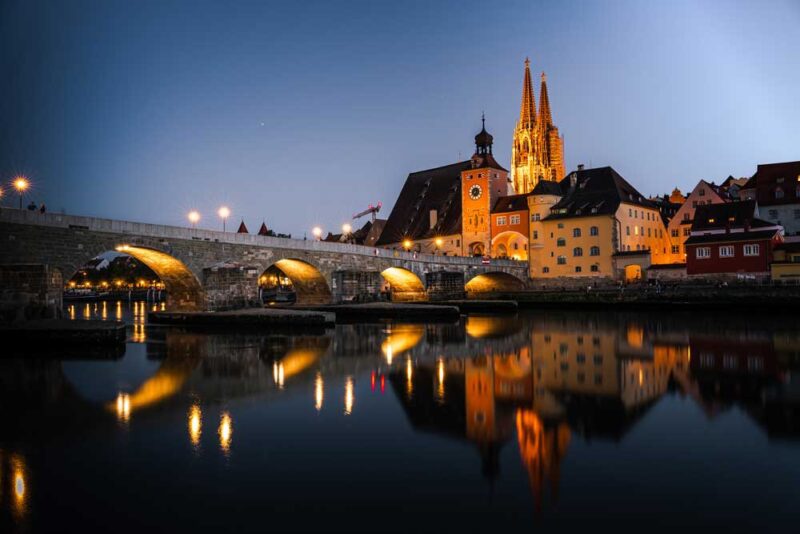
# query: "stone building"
[[776, 189], [537, 151]]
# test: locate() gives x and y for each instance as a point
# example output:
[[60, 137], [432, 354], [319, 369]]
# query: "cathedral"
[[476, 207], [537, 151]]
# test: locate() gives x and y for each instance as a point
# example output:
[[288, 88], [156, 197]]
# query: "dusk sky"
[[302, 113]]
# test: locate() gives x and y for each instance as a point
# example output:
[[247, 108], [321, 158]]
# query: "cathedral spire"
[[545, 118], [527, 112]]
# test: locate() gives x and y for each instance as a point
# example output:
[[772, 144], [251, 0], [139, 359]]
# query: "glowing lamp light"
[[21, 184], [224, 212], [346, 228], [317, 232], [406, 244], [194, 217], [439, 241]]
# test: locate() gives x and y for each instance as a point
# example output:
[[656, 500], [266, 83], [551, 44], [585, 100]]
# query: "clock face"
[[475, 192]]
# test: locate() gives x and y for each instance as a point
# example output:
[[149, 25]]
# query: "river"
[[545, 420]]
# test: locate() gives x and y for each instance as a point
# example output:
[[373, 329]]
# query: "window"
[[702, 192], [562, 260], [686, 216], [536, 234], [675, 249], [674, 232], [687, 232], [594, 251], [627, 230], [751, 250], [576, 232], [577, 251], [578, 269], [598, 358], [536, 217], [703, 253], [779, 179], [778, 193], [635, 230], [648, 232], [726, 251], [580, 358], [773, 214], [595, 268], [596, 231], [560, 225], [514, 219], [545, 269], [630, 212], [501, 220], [598, 380], [561, 242], [694, 203]]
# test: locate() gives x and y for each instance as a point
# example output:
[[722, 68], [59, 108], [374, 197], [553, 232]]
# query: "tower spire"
[[527, 112], [545, 117]]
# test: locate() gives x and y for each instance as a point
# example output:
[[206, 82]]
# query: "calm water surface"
[[543, 421]]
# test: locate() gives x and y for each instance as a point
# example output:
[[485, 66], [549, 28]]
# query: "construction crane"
[[371, 210]]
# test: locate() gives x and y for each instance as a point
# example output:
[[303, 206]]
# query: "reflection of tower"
[[541, 450], [480, 410]]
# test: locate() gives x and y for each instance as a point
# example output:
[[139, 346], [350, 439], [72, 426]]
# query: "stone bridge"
[[205, 269]]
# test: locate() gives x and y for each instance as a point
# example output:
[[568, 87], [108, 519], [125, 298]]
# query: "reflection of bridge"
[[183, 258]]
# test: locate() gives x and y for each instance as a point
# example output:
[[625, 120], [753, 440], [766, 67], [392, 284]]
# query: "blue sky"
[[302, 113]]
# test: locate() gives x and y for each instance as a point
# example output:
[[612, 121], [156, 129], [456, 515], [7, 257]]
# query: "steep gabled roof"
[[511, 203], [551, 187], [596, 192], [433, 189], [242, 228], [727, 215]]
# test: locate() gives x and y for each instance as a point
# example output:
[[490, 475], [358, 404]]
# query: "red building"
[[729, 238]]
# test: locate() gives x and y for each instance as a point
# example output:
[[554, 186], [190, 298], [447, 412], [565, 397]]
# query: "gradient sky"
[[302, 113]]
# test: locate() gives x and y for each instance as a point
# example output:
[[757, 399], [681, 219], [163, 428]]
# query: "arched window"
[[576, 232], [577, 251], [594, 251], [594, 230]]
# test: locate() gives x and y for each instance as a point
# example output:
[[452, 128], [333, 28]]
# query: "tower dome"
[[483, 141]]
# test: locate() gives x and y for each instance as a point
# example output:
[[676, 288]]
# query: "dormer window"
[[778, 193], [779, 180], [711, 220]]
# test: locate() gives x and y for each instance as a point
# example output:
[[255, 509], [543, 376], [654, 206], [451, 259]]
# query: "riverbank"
[[397, 311], [55, 333], [281, 318]]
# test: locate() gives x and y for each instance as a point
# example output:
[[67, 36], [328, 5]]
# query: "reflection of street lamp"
[[317, 232], [194, 217], [224, 213], [21, 184]]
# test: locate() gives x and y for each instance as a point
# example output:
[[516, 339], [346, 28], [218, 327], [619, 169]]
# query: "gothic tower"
[[537, 151]]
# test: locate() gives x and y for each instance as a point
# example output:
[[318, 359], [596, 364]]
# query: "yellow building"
[[537, 151], [785, 264], [600, 226]]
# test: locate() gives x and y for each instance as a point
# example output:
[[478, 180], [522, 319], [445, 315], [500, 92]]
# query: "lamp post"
[[317, 232], [21, 184], [224, 212], [194, 218], [346, 231]]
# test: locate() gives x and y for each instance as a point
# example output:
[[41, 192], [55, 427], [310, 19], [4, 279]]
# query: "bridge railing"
[[161, 231]]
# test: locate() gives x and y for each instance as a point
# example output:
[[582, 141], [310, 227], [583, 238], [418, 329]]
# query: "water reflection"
[[532, 399]]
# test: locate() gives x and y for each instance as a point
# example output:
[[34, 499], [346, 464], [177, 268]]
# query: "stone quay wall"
[[29, 292]]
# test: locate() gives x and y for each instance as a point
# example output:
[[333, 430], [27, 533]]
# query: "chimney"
[[434, 217], [580, 166]]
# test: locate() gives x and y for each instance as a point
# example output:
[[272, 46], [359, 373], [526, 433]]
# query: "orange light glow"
[[225, 432], [21, 184]]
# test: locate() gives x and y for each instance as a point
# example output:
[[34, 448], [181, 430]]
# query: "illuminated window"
[[751, 250], [635, 230], [703, 253], [594, 230], [711, 220]]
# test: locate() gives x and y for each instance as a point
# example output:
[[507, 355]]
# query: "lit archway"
[[476, 249], [307, 282], [184, 292], [405, 285], [510, 244], [496, 282], [633, 273]]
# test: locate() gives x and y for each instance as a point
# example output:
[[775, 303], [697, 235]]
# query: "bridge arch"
[[493, 282], [406, 285], [309, 284], [184, 291]]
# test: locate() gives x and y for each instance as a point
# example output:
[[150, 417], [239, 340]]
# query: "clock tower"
[[481, 185]]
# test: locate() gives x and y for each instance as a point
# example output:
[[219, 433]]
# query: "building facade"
[[730, 239], [775, 187], [510, 227], [680, 226], [537, 151]]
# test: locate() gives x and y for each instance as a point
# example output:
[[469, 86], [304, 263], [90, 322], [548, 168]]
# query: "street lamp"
[[439, 242], [194, 217], [407, 244], [317, 232], [346, 228], [21, 184], [224, 212]]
